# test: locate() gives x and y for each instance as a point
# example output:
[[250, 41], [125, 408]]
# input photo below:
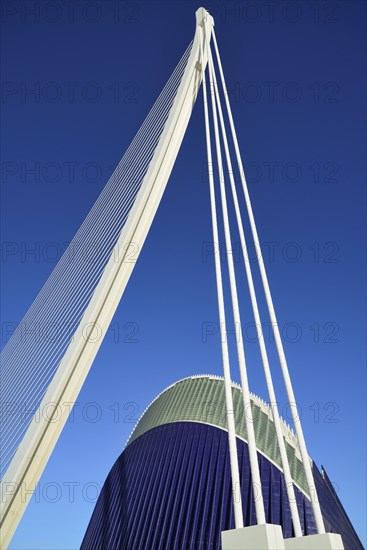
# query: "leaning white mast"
[[40, 439], [35, 449]]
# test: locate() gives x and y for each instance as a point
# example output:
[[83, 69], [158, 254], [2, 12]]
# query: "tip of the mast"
[[203, 15]]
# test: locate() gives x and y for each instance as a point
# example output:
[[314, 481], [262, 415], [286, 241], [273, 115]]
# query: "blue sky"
[[297, 83]]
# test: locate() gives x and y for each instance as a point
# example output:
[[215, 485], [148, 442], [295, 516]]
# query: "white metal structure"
[[141, 197], [258, 324], [275, 328], [237, 502], [256, 481], [36, 447]]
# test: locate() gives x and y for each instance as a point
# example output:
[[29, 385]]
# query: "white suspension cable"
[[40, 438], [27, 401], [264, 356], [55, 268], [52, 333], [75, 283], [134, 146], [98, 202], [254, 465], [83, 277], [116, 198], [282, 359], [235, 475]]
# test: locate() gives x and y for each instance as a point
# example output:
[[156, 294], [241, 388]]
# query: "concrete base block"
[[256, 537], [326, 541]]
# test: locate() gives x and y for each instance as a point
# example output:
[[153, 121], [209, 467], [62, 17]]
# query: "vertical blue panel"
[[171, 489]]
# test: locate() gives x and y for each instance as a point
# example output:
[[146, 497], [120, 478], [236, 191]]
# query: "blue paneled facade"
[[171, 489]]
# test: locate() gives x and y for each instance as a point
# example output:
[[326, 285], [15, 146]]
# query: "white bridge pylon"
[[140, 188]]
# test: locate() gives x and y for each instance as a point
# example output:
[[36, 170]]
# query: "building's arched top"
[[200, 398]]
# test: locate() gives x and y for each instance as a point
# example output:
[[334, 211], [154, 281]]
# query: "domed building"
[[171, 486]]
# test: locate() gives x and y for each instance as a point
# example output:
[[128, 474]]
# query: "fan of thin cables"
[[33, 353]]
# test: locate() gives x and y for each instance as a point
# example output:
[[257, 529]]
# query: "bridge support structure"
[[34, 450]]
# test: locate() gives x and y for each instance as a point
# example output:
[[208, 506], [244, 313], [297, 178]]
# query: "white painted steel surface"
[[235, 475], [282, 359], [40, 439]]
